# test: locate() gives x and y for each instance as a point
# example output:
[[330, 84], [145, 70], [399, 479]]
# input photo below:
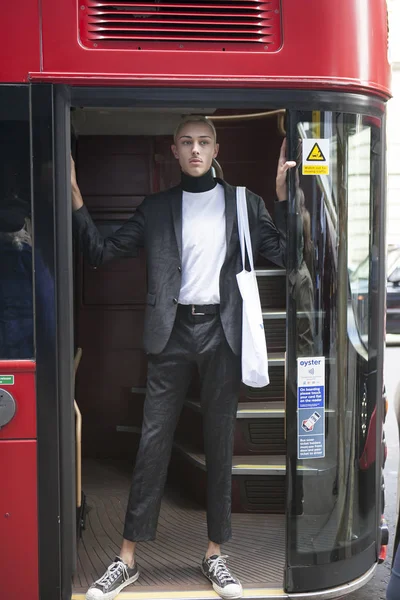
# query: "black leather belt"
[[200, 309]]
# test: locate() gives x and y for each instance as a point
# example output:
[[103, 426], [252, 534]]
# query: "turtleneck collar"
[[195, 185]]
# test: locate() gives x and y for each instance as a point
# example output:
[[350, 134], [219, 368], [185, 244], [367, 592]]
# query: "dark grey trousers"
[[196, 341]]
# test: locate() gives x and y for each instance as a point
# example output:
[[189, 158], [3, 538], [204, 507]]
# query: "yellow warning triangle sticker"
[[316, 154]]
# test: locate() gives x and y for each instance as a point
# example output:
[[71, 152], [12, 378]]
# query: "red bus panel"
[[326, 44], [20, 40], [336, 44], [18, 476], [22, 374], [18, 520]]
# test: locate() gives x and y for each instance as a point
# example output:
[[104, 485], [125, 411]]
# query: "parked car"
[[359, 292], [393, 292]]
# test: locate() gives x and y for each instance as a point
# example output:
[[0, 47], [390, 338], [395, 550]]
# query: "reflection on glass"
[[300, 280], [16, 265], [358, 225], [16, 295], [334, 497]]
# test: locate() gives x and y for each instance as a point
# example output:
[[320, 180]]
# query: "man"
[[193, 317]]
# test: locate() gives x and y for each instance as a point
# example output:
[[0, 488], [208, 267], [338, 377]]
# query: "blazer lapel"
[[230, 210], [176, 205]]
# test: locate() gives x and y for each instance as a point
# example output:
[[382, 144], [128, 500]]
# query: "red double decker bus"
[[109, 82]]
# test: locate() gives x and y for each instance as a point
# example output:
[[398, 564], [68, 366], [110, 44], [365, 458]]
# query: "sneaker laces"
[[219, 567], [112, 573]]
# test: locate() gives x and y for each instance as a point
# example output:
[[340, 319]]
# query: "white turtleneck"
[[203, 245]]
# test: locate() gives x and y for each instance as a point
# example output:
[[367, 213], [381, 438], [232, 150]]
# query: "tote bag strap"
[[243, 227]]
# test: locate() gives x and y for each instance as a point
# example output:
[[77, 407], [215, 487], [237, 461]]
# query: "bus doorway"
[[121, 157], [306, 493]]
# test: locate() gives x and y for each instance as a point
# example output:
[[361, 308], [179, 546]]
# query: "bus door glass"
[[332, 378]]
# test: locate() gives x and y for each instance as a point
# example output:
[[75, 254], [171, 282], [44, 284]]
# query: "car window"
[[362, 271], [393, 260]]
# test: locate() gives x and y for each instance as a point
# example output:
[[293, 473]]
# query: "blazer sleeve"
[[273, 235], [98, 250]]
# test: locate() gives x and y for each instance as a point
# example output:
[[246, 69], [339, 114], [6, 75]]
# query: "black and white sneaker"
[[117, 576], [223, 582]]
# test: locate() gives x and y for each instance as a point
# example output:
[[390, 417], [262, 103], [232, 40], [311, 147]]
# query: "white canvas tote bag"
[[254, 347]]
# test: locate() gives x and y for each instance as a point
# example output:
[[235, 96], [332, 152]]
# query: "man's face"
[[195, 148]]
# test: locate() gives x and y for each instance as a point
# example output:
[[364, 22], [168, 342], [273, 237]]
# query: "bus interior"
[[121, 156]]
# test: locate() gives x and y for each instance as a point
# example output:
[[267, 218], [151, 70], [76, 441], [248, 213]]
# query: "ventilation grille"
[[264, 494], [267, 435], [272, 292], [261, 436], [275, 333], [227, 25]]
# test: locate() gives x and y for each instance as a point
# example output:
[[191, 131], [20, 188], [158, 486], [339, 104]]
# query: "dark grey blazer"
[[157, 225]]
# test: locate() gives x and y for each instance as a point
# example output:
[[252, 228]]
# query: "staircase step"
[[255, 410], [270, 272], [246, 410], [273, 314], [250, 410], [280, 314], [258, 430], [273, 391], [242, 465], [256, 465], [276, 359], [261, 410], [272, 289]]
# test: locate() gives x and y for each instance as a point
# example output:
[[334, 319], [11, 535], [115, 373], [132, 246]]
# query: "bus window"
[[16, 290]]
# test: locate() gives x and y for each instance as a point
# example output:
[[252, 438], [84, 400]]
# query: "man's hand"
[[77, 201], [283, 166]]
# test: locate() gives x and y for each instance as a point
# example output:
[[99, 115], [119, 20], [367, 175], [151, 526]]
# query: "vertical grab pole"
[[78, 455], [78, 437]]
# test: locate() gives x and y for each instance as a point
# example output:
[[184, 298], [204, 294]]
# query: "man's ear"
[[174, 151], [216, 150]]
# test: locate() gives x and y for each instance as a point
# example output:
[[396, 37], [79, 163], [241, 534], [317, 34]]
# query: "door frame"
[[52, 219], [51, 106]]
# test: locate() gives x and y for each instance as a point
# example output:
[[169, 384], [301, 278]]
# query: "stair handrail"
[[78, 437]]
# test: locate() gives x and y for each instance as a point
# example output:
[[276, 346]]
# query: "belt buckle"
[[198, 314]]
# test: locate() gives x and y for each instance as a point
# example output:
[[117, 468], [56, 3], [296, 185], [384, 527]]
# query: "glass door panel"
[[331, 364]]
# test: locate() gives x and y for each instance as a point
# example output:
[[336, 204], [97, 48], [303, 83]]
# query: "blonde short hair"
[[195, 119]]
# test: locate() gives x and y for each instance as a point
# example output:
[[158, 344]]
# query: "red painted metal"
[[18, 497], [244, 25], [337, 45], [20, 40], [18, 521], [382, 554], [23, 425], [340, 45]]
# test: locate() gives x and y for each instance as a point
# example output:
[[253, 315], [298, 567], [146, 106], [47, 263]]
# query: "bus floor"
[[171, 562]]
